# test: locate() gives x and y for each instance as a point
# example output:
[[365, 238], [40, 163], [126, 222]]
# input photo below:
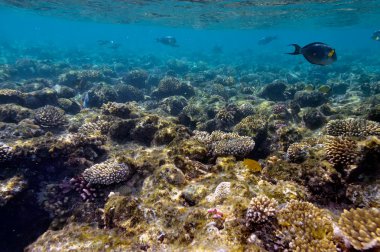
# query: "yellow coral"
[[361, 227], [306, 227]]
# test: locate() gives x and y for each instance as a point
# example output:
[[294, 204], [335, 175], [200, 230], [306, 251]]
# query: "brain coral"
[[352, 127], [361, 227], [222, 143], [107, 173]]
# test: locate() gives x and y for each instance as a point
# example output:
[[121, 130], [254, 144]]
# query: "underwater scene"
[[190, 125]]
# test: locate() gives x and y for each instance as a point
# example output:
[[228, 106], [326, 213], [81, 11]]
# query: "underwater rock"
[[254, 126], [313, 118], [80, 237], [39, 98], [26, 67], [81, 80], [107, 173], [12, 113], [172, 174], [173, 105], [69, 106], [309, 99], [10, 188], [170, 86], [126, 93], [260, 209], [136, 78], [374, 114], [123, 212], [178, 66], [11, 96], [360, 228], [121, 110], [99, 95], [50, 117], [274, 91], [364, 194], [35, 84], [120, 131], [6, 152], [65, 91], [352, 127], [190, 148]]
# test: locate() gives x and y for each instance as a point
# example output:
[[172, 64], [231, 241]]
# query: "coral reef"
[[221, 143], [306, 227], [352, 127], [107, 173], [50, 117], [341, 152], [298, 152], [360, 228], [170, 86], [260, 209]]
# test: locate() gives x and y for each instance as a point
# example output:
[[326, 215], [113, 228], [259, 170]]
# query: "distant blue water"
[[22, 27]]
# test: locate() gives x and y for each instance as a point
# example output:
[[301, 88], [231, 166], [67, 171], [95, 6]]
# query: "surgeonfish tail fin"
[[297, 49]]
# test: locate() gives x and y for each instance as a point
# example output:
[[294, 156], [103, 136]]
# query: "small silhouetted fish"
[[168, 40], [217, 49], [266, 40], [376, 35], [316, 53]]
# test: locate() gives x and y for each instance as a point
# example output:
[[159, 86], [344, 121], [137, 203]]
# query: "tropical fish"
[[266, 40], [376, 35], [168, 40], [316, 53], [252, 165]]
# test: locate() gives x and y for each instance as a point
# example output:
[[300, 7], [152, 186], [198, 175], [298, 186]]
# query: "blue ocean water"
[[29, 29]]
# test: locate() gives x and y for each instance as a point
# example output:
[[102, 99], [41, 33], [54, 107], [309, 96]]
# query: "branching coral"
[[107, 173], [306, 227], [353, 127], [260, 209], [341, 151], [50, 116], [222, 144], [361, 227]]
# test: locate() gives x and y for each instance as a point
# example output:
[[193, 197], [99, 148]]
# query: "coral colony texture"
[[111, 150]]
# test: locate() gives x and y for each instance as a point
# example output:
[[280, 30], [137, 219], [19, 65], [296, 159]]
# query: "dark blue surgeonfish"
[[376, 35], [316, 53], [266, 40], [168, 40]]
